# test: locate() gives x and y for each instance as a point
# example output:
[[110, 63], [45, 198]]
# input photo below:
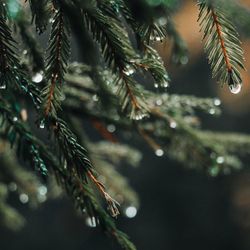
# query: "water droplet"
[[173, 124], [12, 186], [128, 70], [184, 60], [159, 152], [162, 21], [42, 190], [42, 124], [24, 198], [211, 111], [25, 52], [220, 159], [91, 222], [214, 171], [235, 88], [131, 211], [159, 102], [156, 85], [15, 119], [217, 102], [95, 98], [111, 128], [38, 77], [3, 86]]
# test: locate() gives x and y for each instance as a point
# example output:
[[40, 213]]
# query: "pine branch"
[[77, 187], [222, 45], [120, 56], [57, 60]]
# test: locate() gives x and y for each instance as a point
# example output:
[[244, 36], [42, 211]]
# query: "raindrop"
[[156, 85], [128, 70], [91, 222], [38, 77], [162, 21], [220, 159], [3, 86], [158, 102], [211, 111], [173, 124], [217, 102], [15, 119], [131, 211], [24, 198], [235, 88], [42, 190], [111, 128], [12, 186], [42, 124], [159, 152], [95, 98]]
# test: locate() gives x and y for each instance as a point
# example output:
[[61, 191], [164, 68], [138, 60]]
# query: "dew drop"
[[38, 77], [131, 211], [159, 152], [156, 85], [95, 98], [111, 128], [3, 86], [91, 222], [12, 186], [173, 124], [24, 198], [220, 159], [235, 88], [158, 102], [217, 102], [15, 119], [211, 111], [42, 124]]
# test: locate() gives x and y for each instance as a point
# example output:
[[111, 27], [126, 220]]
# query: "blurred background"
[[179, 208]]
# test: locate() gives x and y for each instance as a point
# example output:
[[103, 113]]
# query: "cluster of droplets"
[[128, 70]]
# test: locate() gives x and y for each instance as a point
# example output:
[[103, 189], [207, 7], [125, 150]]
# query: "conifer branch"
[[57, 60], [222, 45]]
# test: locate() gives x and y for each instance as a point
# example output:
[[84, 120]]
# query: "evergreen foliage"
[[63, 95]]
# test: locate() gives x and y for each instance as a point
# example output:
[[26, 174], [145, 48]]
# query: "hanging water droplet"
[[217, 102], [42, 190], [24, 198], [38, 77], [184, 60], [42, 124], [95, 98], [162, 21], [159, 102], [235, 88], [12, 186], [173, 124], [156, 85], [3, 86], [25, 52], [91, 222], [128, 70], [111, 128], [15, 119], [220, 159], [131, 211], [165, 85], [159, 152], [211, 111]]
